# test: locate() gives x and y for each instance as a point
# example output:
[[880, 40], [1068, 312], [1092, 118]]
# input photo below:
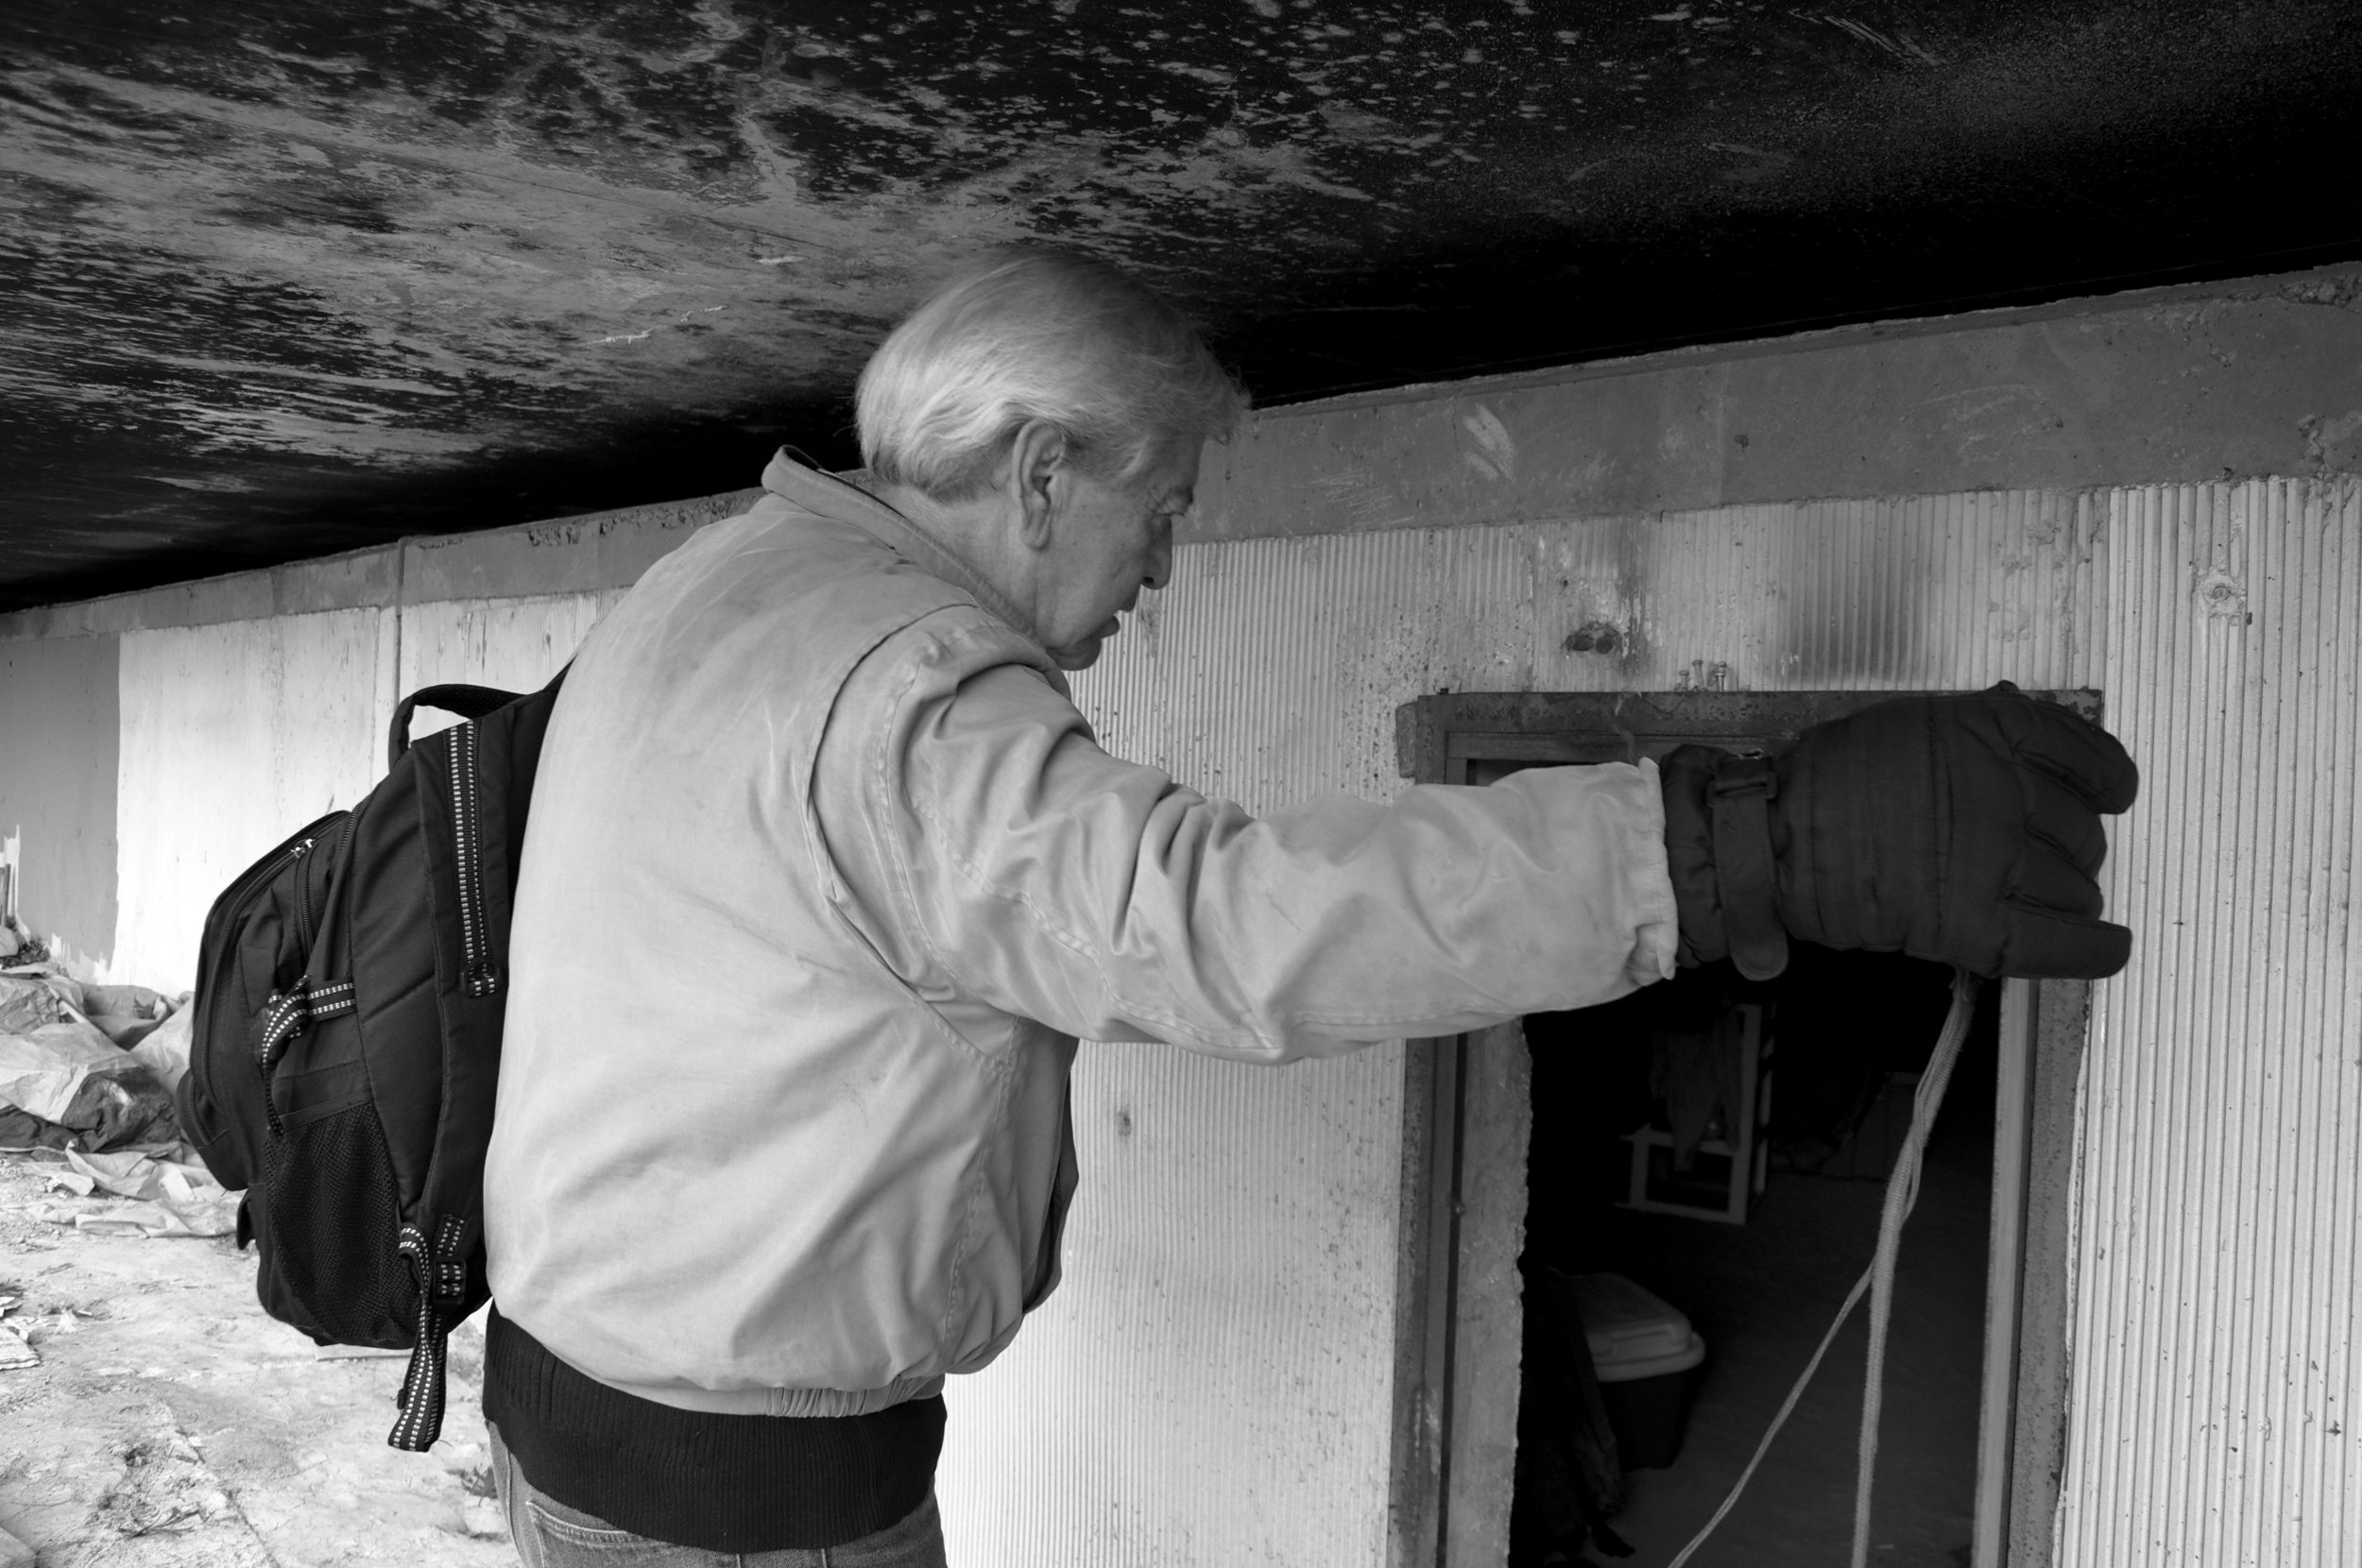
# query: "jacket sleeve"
[[1009, 858]]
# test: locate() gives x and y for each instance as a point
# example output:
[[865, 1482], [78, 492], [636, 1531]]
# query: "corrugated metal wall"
[[2214, 1419]]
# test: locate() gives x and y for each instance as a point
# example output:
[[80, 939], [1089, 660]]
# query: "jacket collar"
[[843, 501]]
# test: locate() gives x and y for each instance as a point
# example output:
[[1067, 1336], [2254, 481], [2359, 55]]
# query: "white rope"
[[1878, 1280]]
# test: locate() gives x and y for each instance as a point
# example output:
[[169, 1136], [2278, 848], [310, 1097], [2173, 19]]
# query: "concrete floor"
[[1762, 1294], [170, 1424]]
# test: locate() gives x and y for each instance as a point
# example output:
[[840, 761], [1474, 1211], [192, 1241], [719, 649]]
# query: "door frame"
[[1462, 1196]]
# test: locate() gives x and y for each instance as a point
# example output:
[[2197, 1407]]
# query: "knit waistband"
[[720, 1481]]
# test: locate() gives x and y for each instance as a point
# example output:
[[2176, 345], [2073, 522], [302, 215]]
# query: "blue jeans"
[[548, 1534]]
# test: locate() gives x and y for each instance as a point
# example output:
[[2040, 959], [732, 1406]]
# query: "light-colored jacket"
[[824, 877]]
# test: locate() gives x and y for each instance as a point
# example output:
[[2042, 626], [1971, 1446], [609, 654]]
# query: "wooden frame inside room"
[[1466, 1113]]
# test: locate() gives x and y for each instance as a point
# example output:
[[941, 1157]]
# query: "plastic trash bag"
[[43, 1068], [164, 1049], [69, 1076]]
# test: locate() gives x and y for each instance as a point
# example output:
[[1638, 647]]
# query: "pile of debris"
[[18, 946], [87, 1073]]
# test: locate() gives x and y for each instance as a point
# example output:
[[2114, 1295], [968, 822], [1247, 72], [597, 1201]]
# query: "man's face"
[[1107, 543]]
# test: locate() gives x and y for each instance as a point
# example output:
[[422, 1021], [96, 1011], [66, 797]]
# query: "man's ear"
[[1037, 455]]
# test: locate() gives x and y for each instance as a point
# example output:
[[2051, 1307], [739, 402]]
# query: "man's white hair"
[[1021, 335]]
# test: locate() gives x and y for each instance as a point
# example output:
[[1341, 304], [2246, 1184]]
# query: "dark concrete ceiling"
[[285, 276]]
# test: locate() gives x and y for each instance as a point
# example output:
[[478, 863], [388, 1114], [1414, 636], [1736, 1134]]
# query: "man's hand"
[[1960, 829]]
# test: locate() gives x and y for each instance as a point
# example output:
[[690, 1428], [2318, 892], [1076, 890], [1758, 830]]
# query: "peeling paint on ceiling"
[[279, 277]]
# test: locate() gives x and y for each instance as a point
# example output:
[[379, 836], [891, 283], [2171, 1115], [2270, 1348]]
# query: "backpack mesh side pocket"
[[329, 1205]]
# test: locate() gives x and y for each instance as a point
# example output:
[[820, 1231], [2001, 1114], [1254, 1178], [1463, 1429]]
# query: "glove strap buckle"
[[1748, 881]]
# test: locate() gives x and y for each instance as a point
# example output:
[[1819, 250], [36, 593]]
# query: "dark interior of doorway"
[[1850, 1033]]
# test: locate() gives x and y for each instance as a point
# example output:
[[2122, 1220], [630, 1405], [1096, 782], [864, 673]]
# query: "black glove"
[[1959, 828]]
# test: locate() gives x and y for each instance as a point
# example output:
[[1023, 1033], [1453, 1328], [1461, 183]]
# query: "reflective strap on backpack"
[[285, 1014], [441, 1275]]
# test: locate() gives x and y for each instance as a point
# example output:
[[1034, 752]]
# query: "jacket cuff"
[[1686, 775]]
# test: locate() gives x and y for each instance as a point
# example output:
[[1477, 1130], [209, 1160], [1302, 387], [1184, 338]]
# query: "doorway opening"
[[1703, 1184], [1834, 1043]]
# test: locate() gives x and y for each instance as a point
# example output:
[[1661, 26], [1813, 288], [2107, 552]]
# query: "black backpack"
[[346, 1043]]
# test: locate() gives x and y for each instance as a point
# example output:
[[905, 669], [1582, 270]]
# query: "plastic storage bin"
[[1647, 1356]]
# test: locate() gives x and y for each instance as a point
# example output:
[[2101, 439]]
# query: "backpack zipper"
[[233, 899], [284, 1016], [307, 919], [289, 1016], [259, 877], [304, 925], [297, 847], [477, 977], [304, 899], [281, 1021]]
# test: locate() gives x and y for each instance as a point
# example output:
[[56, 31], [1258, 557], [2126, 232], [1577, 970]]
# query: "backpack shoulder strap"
[[487, 794]]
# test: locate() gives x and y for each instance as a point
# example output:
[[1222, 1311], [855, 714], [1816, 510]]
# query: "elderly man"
[[827, 875]]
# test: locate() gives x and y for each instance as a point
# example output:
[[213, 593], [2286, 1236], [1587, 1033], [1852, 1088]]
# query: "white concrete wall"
[[232, 736]]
